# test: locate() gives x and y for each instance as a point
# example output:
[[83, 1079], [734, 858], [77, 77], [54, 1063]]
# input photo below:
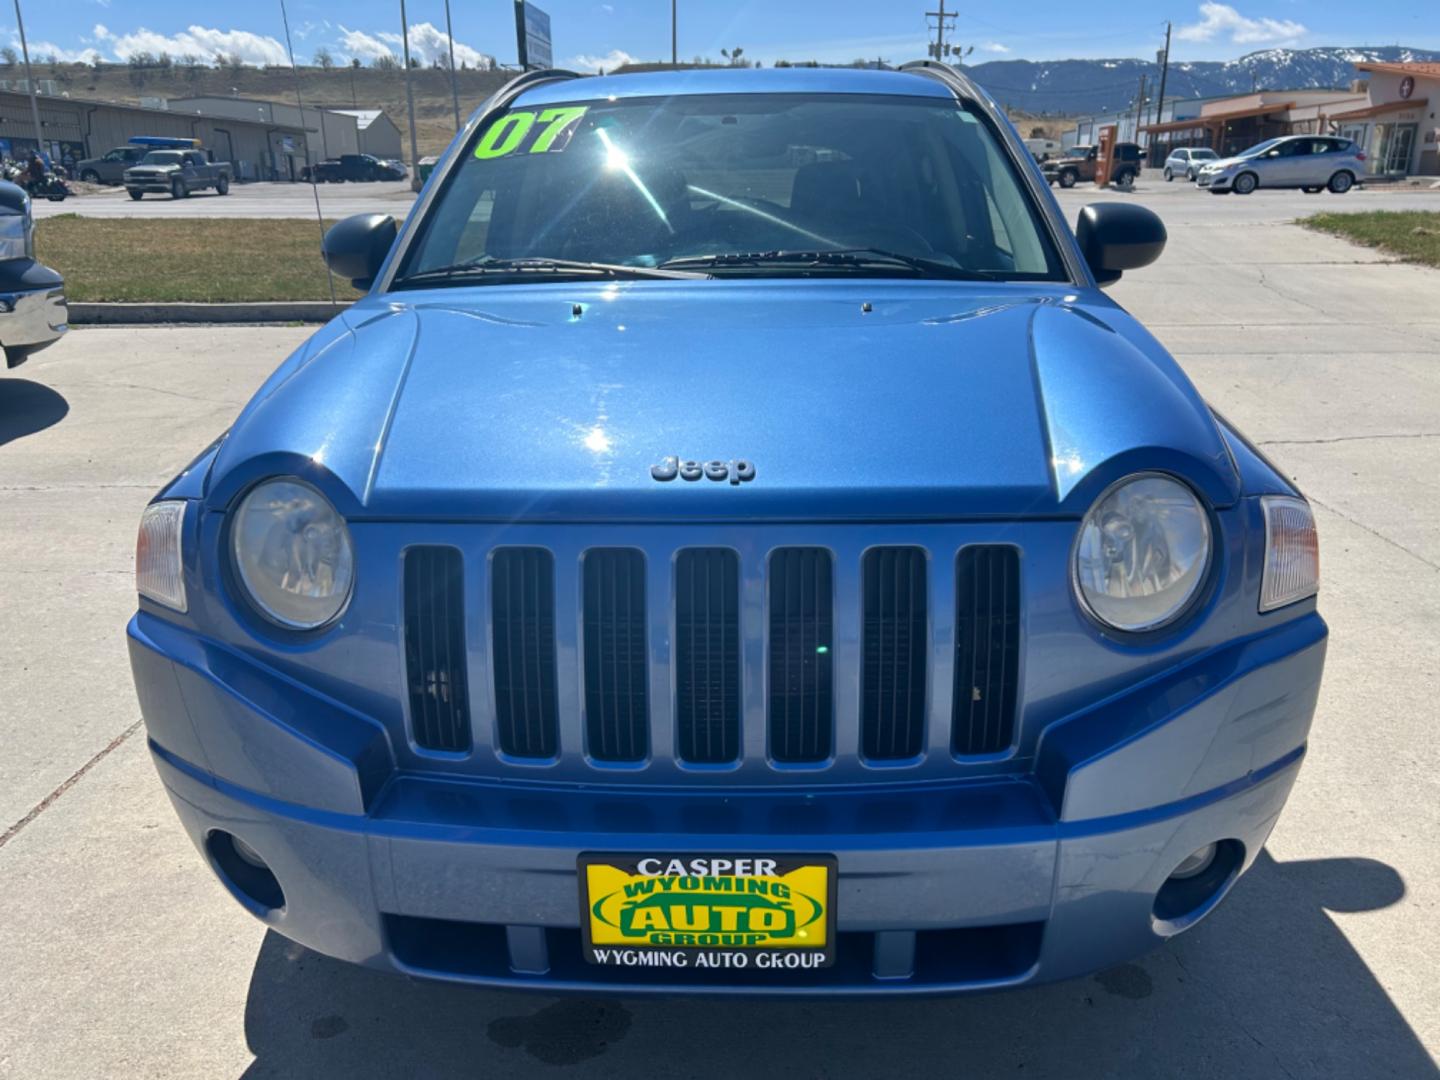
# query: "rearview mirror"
[[1115, 237], [355, 248]]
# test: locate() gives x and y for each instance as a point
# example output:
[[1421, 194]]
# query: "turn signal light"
[[1292, 552]]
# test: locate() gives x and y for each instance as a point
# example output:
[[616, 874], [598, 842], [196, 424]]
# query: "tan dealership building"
[[1397, 124]]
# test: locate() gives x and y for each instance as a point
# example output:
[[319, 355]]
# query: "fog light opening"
[[245, 871], [1196, 885], [1194, 864]]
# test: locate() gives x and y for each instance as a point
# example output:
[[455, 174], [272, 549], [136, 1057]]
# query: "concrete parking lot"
[[122, 957], [262, 200]]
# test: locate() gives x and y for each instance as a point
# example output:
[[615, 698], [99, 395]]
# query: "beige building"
[[1229, 125], [1396, 122]]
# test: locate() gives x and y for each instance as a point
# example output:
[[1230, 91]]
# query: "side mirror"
[[1115, 237], [355, 248]]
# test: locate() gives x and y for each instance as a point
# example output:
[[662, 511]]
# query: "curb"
[[284, 311]]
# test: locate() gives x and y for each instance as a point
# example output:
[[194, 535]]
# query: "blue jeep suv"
[[733, 546]]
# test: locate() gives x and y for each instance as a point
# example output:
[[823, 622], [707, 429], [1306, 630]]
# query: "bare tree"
[[385, 62], [9, 56], [323, 60]]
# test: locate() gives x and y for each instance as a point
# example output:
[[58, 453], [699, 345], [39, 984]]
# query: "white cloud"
[[1224, 22], [202, 41], [428, 43], [994, 47], [358, 44], [609, 62], [608, 9]]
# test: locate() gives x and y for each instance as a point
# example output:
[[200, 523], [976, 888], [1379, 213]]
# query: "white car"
[[1187, 161]]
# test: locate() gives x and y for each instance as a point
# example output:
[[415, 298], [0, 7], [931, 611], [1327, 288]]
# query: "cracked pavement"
[[123, 957]]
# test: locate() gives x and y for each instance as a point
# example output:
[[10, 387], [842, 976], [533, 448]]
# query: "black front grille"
[[435, 648], [707, 654], [801, 627], [522, 608], [896, 635], [987, 648], [616, 702]]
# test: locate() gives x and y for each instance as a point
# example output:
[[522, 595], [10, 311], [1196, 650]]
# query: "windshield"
[[1203, 155], [1259, 148], [162, 157], [707, 179]]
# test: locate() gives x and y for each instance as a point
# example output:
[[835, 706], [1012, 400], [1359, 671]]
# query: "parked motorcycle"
[[51, 187]]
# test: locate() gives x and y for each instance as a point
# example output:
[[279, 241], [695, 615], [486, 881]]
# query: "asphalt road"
[[264, 200], [122, 957]]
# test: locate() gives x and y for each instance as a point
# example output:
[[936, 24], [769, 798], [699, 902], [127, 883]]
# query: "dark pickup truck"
[[177, 173], [110, 167], [354, 167]]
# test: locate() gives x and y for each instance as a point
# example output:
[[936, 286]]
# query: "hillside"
[[1092, 86], [371, 88]]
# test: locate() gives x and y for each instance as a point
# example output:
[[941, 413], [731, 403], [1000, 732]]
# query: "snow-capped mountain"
[[1070, 87]]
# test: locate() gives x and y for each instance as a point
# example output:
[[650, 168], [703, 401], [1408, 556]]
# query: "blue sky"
[[590, 34]]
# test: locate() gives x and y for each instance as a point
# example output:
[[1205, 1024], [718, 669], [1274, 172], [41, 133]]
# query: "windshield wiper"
[[540, 265], [840, 258]]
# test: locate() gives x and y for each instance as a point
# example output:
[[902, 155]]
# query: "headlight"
[[159, 569], [1292, 552], [1142, 553], [292, 554]]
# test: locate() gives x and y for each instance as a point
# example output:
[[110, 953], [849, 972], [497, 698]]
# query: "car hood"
[[1223, 163], [153, 168], [853, 400]]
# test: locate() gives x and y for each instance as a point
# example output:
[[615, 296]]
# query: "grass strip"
[[197, 260], [1413, 235]]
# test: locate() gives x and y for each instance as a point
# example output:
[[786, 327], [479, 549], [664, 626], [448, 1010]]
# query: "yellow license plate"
[[757, 913]]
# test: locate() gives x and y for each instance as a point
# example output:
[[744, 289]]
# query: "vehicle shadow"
[[27, 407], [1269, 986]]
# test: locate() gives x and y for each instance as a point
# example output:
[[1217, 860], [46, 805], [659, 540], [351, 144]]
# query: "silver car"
[[1310, 162], [1187, 161]]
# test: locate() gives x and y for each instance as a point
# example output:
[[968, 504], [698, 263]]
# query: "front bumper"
[[1214, 181], [158, 182], [943, 888], [33, 311]]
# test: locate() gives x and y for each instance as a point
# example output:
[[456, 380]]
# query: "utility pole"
[[674, 52], [454, 93], [1160, 102], [1164, 74], [937, 50], [1139, 107], [409, 98], [30, 80]]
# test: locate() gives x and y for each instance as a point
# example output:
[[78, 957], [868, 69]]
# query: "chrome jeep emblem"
[[736, 471]]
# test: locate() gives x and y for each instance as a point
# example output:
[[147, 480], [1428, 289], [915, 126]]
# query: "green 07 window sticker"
[[508, 134]]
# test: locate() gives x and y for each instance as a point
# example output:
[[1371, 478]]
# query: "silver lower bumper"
[[30, 320]]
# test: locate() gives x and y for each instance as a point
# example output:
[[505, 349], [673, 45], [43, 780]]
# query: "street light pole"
[[409, 97], [30, 80], [674, 52], [450, 37]]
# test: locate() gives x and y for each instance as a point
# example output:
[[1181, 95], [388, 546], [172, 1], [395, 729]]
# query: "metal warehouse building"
[[328, 133], [378, 134], [75, 128]]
